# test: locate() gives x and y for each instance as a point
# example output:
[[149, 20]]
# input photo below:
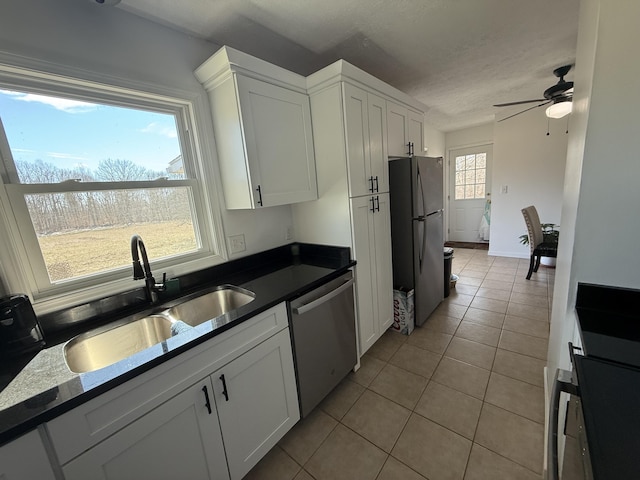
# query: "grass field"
[[69, 255]]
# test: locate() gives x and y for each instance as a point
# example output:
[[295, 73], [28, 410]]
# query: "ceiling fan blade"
[[525, 110], [521, 102]]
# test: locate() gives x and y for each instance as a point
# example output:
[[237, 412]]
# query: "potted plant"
[[550, 235]]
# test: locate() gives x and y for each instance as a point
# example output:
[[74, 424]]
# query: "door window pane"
[[471, 176]]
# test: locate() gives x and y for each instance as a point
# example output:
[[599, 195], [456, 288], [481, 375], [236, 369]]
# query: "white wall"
[[434, 141], [109, 43], [468, 137], [531, 164], [527, 161], [603, 152]]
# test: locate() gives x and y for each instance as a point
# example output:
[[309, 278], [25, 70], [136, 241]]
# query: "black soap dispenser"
[[20, 331]]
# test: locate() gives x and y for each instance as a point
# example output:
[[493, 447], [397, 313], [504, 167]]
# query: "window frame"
[[22, 263], [464, 171]]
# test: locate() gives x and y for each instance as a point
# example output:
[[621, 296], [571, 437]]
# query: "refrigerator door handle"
[[422, 219], [423, 245], [421, 190]]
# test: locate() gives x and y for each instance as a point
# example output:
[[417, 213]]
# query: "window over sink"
[[84, 167]]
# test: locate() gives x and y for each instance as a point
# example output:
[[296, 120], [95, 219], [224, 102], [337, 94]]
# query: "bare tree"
[[117, 170]]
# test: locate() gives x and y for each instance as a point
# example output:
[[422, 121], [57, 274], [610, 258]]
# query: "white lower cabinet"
[[257, 402], [179, 439], [237, 397], [25, 459]]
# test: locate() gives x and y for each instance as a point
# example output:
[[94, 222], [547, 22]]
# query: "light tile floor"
[[460, 398]]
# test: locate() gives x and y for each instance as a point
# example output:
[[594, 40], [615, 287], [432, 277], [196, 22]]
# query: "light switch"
[[504, 189]]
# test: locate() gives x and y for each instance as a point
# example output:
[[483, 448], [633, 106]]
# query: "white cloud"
[[158, 129], [63, 104], [65, 156]]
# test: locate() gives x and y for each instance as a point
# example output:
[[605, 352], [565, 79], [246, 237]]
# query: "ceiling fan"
[[559, 96]]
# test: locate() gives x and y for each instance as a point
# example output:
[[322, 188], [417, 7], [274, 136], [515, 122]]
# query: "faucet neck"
[[144, 271]]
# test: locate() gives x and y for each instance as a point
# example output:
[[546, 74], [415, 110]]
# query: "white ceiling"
[[458, 57]]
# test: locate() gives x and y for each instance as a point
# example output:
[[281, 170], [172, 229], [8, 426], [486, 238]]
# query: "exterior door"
[[469, 189]]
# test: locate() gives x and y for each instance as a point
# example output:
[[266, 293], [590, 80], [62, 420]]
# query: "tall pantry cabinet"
[[349, 116]]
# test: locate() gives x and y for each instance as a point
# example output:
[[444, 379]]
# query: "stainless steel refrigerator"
[[415, 192]]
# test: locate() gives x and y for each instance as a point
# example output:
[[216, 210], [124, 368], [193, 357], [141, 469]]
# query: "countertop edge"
[[12, 430]]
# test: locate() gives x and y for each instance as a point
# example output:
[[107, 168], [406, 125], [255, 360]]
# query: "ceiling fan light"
[[559, 110]]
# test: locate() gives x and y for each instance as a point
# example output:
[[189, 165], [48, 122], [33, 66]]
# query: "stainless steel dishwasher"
[[324, 339]]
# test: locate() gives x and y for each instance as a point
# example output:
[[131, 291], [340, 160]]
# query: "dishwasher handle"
[[323, 299], [562, 383]]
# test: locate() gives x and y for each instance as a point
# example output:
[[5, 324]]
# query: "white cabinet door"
[[179, 439], [364, 254], [374, 276], [257, 402], [397, 128], [384, 269], [25, 459], [357, 133], [406, 131], [378, 142], [415, 131], [366, 136], [279, 143]]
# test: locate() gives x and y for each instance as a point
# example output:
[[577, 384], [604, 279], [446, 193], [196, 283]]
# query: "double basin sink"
[[105, 346]]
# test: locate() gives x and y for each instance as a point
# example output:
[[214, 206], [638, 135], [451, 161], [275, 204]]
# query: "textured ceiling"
[[458, 57]]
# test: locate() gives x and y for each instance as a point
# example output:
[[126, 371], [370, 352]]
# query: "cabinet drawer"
[[83, 427]]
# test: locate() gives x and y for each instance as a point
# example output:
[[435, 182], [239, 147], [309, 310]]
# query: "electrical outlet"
[[236, 243], [288, 233]]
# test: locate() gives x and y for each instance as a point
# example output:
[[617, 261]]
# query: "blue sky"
[[70, 133]]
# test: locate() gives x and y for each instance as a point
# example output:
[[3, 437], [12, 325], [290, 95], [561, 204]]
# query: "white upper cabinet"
[[366, 132], [406, 130], [262, 127]]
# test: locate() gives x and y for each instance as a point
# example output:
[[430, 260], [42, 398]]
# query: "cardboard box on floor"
[[403, 316]]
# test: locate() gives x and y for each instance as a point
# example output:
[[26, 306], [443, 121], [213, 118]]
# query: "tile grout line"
[[429, 379]]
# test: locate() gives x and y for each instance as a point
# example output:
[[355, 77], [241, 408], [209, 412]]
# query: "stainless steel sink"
[[209, 305], [97, 349], [105, 346]]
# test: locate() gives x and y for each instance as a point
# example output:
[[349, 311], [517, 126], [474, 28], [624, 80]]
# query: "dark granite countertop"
[[42, 387], [608, 376]]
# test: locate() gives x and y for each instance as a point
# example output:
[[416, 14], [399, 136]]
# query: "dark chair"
[[539, 248]]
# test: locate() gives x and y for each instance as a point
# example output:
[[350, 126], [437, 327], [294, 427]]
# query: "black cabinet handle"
[[224, 388], [207, 403], [371, 184], [409, 148], [259, 195], [376, 179], [373, 204], [377, 203]]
